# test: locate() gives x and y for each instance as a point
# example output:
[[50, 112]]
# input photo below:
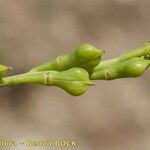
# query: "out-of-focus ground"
[[113, 115]]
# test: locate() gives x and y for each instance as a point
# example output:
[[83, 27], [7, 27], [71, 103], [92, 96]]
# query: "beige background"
[[112, 115]]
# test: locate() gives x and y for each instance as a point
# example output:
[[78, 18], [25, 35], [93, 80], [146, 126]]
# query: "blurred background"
[[113, 115]]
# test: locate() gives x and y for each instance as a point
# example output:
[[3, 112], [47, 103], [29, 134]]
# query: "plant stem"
[[138, 52], [35, 77]]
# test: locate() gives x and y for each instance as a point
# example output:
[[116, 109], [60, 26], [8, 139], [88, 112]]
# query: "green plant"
[[73, 71]]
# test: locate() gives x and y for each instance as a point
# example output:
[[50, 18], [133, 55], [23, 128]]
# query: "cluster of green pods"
[[130, 64], [70, 71], [73, 71]]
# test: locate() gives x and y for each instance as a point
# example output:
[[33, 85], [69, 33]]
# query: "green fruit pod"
[[133, 67], [3, 70], [85, 56]]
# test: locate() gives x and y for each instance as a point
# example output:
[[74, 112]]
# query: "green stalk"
[[36, 77], [138, 52]]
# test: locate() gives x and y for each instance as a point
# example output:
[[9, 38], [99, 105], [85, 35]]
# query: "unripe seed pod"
[[87, 52], [133, 67], [86, 56], [75, 80], [3, 70]]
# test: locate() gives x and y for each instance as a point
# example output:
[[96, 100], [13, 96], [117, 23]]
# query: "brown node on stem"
[[107, 75], [46, 78], [9, 68]]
